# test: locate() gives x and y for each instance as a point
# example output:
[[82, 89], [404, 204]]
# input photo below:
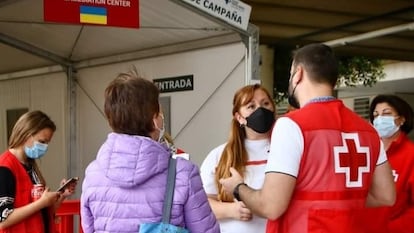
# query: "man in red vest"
[[325, 161]]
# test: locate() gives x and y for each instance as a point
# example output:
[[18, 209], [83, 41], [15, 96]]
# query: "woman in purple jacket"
[[125, 185]]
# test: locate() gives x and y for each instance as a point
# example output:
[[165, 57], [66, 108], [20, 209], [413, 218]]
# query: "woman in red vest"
[[392, 117], [26, 204]]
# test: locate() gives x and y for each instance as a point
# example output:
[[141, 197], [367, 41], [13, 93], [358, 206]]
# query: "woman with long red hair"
[[246, 150]]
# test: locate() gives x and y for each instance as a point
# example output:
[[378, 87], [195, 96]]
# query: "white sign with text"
[[234, 12]]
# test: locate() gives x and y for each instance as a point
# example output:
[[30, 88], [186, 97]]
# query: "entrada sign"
[[173, 84]]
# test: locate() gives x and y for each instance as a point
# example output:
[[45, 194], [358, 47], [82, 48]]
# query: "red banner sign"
[[118, 13]]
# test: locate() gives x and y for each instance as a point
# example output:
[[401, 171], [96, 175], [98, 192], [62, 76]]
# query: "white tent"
[[62, 69]]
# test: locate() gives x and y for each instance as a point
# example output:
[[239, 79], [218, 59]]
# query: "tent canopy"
[[28, 42], [169, 27]]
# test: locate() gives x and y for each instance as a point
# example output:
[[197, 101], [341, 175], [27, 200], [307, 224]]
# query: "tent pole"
[[73, 157], [370, 35], [251, 41]]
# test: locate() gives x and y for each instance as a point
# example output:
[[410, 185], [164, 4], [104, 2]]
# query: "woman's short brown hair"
[[131, 102]]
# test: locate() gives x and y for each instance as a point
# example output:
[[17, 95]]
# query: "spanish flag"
[[93, 15]]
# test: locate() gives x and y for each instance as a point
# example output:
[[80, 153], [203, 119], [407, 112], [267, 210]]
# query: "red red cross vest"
[[340, 154], [33, 224]]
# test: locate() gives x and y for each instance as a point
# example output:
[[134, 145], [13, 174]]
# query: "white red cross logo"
[[352, 159], [395, 174]]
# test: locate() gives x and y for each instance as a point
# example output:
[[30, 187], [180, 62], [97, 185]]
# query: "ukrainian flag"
[[94, 15]]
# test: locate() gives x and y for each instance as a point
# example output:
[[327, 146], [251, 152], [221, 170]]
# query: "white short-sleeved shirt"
[[287, 148], [257, 151]]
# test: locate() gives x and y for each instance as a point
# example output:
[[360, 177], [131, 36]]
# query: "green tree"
[[358, 70]]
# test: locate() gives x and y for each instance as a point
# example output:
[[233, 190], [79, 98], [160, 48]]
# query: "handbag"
[[165, 226]]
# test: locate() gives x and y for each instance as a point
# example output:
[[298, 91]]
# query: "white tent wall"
[[200, 119], [172, 41], [48, 94]]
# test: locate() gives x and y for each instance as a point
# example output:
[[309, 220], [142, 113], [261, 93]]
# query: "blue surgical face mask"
[[385, 126], [36, 151]]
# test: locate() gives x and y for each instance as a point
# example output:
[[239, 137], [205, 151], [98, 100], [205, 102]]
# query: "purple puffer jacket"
[[125, 186]]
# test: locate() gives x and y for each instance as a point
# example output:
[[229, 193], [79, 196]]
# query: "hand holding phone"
[[67, 183]]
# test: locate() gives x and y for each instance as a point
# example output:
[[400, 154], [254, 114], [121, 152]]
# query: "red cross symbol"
[[352, 159]]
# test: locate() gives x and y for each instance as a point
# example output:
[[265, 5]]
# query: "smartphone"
[[67, 183]]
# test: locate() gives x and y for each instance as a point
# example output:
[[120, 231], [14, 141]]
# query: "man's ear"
[[297, 78]]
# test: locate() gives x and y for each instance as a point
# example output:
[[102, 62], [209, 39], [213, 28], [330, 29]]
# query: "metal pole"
[[370, 35]]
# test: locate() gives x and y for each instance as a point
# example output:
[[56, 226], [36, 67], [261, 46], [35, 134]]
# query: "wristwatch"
[[236, 191]]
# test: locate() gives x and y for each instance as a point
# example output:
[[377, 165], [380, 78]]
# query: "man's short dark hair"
[[319, 61]]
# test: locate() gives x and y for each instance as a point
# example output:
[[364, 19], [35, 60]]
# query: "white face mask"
[[385, 126], [162, 130]]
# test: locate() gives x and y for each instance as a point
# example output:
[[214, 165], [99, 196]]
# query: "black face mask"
[[261, 120], [291, 96], [292, 100]]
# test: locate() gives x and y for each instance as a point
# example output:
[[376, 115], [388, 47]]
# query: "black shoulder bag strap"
[[169, 193]]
